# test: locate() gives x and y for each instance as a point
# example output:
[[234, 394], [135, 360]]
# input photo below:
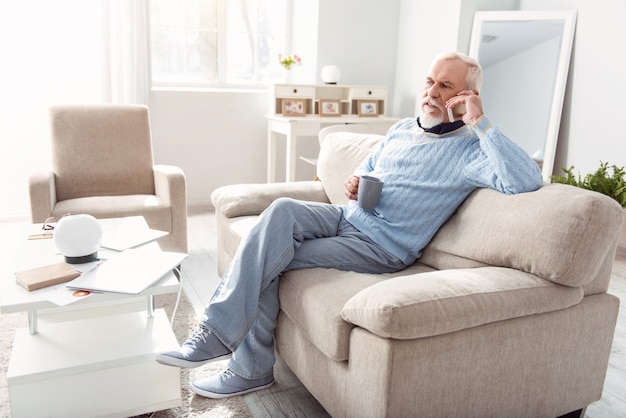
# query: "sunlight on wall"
[[51, 55]]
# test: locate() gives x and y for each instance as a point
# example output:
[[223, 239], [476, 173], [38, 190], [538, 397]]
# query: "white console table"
[[296, 128], [301, 110]]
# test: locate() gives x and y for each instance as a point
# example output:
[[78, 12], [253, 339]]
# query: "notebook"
[[131, 271]]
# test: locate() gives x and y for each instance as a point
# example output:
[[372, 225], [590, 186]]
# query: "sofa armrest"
[[43, 197], [444, 301], [252, 199]]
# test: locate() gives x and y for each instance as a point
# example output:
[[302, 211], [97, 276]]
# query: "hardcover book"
[[39, 277]]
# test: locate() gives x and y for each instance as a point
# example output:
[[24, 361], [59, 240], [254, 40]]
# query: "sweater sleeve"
[[501, 164]]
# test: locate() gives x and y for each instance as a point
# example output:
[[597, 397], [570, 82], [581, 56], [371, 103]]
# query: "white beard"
[[430, 121]]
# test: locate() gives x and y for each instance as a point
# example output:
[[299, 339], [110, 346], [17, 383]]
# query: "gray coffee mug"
[[368, 193]]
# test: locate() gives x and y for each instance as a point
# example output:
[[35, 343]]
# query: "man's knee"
[[283, 206]]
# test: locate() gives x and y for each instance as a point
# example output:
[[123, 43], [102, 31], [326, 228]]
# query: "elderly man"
[[429, 165]]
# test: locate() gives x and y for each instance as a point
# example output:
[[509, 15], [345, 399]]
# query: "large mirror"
[[525, 58]]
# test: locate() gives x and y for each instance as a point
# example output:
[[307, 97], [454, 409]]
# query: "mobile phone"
[[456, 112]]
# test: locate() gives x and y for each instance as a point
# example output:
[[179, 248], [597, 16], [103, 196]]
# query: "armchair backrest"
[[101, 150]]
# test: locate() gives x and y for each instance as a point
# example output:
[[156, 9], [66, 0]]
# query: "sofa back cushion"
[[340, 154], [560, 233]]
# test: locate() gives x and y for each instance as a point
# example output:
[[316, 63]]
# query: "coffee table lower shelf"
[[101, 366]]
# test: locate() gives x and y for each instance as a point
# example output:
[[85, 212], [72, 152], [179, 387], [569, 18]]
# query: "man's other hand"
[[351, 186]]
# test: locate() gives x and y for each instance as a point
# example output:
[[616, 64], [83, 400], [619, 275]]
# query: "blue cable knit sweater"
[[427, 177]]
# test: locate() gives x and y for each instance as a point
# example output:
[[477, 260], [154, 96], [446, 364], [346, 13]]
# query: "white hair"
[[474, 78]]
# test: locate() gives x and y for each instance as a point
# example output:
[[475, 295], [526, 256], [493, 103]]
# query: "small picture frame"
[[329, 107], [293, 107], [367, 107]]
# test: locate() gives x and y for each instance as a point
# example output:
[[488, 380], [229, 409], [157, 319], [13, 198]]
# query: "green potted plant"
[[607, 180]]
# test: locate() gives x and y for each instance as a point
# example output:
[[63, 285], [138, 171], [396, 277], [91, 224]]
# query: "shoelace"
[[227, 374], [199, 333]]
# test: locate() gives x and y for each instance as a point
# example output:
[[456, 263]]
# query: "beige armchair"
[[102, 165]]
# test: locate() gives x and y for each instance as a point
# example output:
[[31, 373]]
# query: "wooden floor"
[[288, 398]]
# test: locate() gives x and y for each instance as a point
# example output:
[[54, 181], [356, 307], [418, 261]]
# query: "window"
[[217, 43]]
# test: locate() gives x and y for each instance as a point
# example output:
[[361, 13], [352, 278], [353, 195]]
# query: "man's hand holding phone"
[[466, 105]]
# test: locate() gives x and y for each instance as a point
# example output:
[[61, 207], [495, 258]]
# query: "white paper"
[[60, 295], [121, 234]]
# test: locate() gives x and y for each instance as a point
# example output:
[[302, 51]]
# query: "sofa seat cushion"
[[446, 301], [156, 211], [314, 298]]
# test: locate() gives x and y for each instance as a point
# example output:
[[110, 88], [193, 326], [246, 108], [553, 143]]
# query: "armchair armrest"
[[171, 186], [252, 199], [444, 301], [43, 195]]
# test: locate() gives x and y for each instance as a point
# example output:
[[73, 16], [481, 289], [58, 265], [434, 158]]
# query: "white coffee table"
[[94, 357]]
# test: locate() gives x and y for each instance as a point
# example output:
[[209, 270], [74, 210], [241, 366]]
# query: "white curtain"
[[126, 51], [54, 52]]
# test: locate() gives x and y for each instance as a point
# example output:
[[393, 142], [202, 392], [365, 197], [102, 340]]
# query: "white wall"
[[420, 38], [594, 101], [217, 138], [359, 37]]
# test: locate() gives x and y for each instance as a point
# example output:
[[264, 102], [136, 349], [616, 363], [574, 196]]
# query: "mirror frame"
[[569, 19]]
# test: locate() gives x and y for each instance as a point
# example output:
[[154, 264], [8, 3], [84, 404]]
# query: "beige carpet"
[[184, 322]]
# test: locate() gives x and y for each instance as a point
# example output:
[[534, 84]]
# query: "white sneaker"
[[200, 348], [227, 384]]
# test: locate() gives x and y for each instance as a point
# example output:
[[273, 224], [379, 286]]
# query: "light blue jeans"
[[289, 235]]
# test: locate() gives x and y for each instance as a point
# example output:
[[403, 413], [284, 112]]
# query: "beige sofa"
[[505, 315]]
